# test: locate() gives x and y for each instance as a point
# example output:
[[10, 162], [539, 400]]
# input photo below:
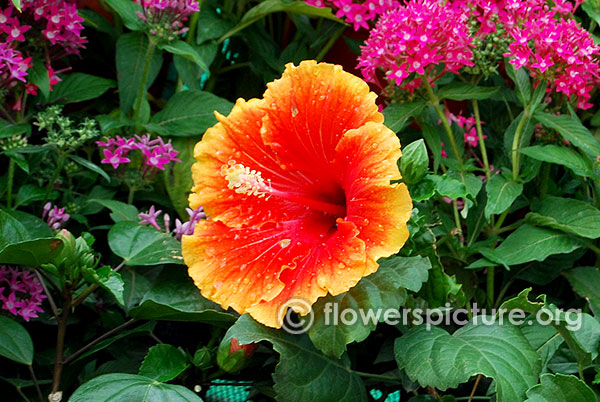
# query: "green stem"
[[484, 156], [9, 185], [35, 382], [501, 219], [329, 44], [60, 340], [142, 89], [52, 182], [191, 34], [130, 195], [435, 102], [516, 143], [6, 114], [580, 367], [490, 286], [594, 249], [457, 222]]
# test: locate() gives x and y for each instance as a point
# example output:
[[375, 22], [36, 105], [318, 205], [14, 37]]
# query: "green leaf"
[[432, 357], [267, 7], [592, 9], [163, 363], [130, 56], [15, 342], [29, 193], [91, 166], [303, 374], [572, 130], [11, 230], [560, 388], [128, 11], [581, 332], [142, 245], [567, 214], [130, 387], [543, 338], [178, 176], [414, 162], [211, 25], [521, 79], [184, 49], [8, 129], [108, 279], [173, 296], [189, 113], [36, 227], [564, 156], [530, 243], [377, 293], [586, 283], [450, 186], [463, 91], [79, 87], [439, 287], [33, 253], [120, 211], [432, 138], [501, 193], [17, 4], [38, 75], [397, 114], [190, 73]]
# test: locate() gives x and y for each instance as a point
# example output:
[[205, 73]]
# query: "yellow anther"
[[246, 181]]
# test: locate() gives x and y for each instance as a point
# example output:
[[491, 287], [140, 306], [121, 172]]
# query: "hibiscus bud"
[[232, 356], [202, 358]]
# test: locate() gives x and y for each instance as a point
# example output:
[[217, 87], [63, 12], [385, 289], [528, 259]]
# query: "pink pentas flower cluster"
[[468, 124], [13, 66], [55, 217], [181, 228], [358, 14], [155, 152], [21, 293], [411, 40], [555, 49], [59, 22], [165, 18]]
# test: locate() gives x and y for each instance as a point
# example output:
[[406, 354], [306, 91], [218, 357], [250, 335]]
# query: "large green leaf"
[[78, 87], [464, 91], [397, 114], [501, 193], [131, 56], [108, 279], [31, 252], [564, 156], [211, 24], [373, 296], [173, 296], [91, 166], [545, 339], [11, 230], [568, 215], [560, 388], [129, 388], [128, 11], [432, 357], [572, 130], [592, 9], [580, 331], [273, 6], [586, 282], [120, 211], [521, 79], [163, 363], [184, 49], [15, 342], [303, 374], [189, 113], [531, 243], [143, 245]]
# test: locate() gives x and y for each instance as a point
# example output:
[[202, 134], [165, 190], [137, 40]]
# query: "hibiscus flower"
[[301, 192]]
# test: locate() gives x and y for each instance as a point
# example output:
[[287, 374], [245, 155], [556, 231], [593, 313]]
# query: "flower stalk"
[[142, 88], [484, 155]]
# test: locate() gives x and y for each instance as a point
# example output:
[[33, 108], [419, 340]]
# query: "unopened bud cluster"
[[62, 131]]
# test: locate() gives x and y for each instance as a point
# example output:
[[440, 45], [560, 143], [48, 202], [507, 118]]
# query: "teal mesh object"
[[227, 393], [393, 397]]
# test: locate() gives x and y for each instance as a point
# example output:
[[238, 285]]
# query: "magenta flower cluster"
[[21, 293], [181, 228], [13, 66], [155, 153], [55, 217], [553, 48], [358, 14], [413, 39], [165, 18]]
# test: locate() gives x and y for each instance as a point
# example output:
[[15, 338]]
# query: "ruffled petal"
[[309, 109], [236, 140], [366, 160], [333, 266]]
